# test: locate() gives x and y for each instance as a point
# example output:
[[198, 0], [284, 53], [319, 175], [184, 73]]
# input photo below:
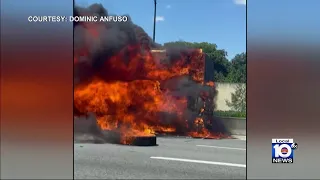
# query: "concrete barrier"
[[236, 126], [224, 93]]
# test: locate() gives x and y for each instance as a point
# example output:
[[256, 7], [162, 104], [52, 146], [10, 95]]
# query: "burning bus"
[[137, 90]]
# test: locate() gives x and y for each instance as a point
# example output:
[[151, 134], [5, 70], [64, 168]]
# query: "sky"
[[222, 22], [286, 20]]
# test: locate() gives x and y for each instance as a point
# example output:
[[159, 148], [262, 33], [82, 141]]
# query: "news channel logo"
[[282, 150]]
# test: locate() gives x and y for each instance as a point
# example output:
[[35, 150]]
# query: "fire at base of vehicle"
[[139, 92]]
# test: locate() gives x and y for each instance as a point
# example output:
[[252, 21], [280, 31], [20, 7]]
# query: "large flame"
[[130, 100], [128, 93]]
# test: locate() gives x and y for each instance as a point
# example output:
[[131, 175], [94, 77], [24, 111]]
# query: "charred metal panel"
[[208, 69]]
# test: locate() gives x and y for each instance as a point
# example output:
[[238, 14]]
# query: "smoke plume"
[[119, 53]]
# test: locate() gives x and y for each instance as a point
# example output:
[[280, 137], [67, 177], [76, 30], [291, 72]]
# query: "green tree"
[[238, 69], [238, 99], [222, 65]]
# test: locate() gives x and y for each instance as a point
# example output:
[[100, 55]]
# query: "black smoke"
[[112, 36], [95, 43]]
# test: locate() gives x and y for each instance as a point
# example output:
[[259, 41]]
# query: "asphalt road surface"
[[174, 158]]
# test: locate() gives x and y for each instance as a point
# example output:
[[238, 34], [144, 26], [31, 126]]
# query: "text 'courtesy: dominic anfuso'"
[[78, 19]]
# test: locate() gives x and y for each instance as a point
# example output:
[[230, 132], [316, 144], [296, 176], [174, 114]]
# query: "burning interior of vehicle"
[[137, 88]]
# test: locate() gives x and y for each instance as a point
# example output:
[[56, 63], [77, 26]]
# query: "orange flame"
[[128, 97]]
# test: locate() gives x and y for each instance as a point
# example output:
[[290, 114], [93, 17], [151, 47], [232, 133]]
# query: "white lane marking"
[[200, 161], [218, 147]]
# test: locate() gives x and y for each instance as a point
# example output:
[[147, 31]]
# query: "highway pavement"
[[173, 158]]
